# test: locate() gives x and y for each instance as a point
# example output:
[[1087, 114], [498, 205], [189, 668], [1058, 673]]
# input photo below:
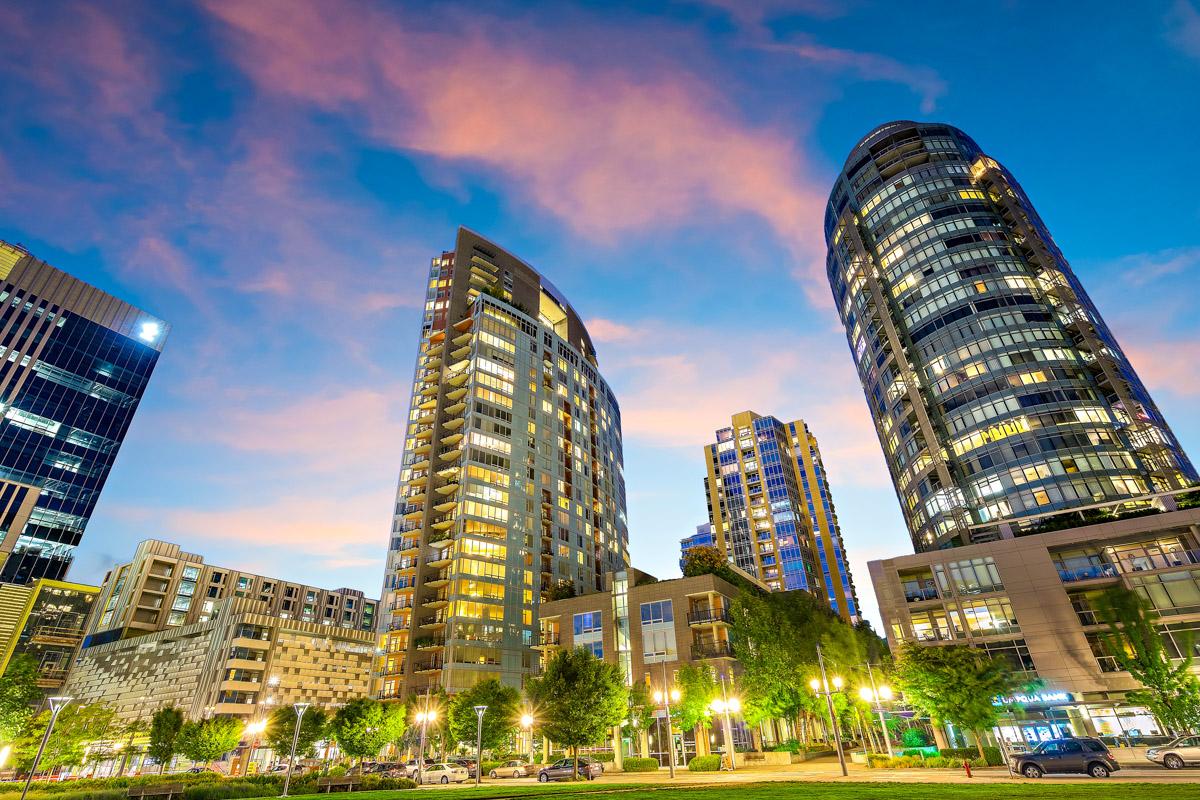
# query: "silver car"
[[443, 773], [1183, 752]]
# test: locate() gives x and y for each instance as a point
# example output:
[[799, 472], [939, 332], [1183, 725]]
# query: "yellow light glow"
[[5, 752], [526, 721], [885, 692], [814, 684], [735, 705], [866, 694], [837, 682]]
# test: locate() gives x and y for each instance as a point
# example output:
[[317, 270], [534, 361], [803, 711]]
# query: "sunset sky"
[[272, 177]]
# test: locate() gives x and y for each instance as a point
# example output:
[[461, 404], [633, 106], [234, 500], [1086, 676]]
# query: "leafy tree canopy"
[[165, 727], [578, 698], [281, 728], [360, 728], [499, 720], [74, 729], [209, 739], [560, 590], [19, 693], [697, 689]]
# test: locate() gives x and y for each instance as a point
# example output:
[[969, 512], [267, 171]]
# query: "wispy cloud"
[[1141, 269], [1183, 27]]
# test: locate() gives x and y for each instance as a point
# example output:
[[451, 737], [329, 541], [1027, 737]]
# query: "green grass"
[[1026, 790]]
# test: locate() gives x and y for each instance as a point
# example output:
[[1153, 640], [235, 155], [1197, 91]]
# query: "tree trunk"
[[575, 756], [979, 743]]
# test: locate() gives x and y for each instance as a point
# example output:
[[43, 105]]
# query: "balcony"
[[922, 594], [548, 639], [436, 600], [708, 616], [1089, 573], [433, 621], [712, 650], [431, 665], [436, 580]]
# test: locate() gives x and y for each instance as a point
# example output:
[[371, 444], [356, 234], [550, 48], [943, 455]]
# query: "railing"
[[708, 615], [429, 666], [1108, 664], [1149, 561], [1088, 573], [917, 595], [714, 650], [549, 639]]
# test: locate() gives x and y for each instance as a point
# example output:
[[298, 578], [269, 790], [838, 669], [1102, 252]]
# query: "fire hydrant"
[[967, 767]]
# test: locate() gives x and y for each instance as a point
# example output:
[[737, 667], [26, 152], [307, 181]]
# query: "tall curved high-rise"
[[512, 479], [996, 388]]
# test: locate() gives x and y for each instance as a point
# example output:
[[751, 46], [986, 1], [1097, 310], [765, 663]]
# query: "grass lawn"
[[790, 791]]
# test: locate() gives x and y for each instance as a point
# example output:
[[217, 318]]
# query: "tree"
[[560, 590], [129, 732], [706, 560], [641, 709], [579, 698], [210, 739], [499, 721], [1170, 690], [359, 728], [281, 728], [75, 728], [697, 689], [165, 727], [956, 684], [19, 693], [395, 723]]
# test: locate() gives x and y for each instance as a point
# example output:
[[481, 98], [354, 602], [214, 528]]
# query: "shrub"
[[605, 756], [488, 766], [991, 754], [641, 764], [914, 737], [880, 761], [337, 771], [789, 746], [705, 764]]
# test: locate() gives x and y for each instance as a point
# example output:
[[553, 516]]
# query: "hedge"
[[990, 754], [705, 764], [123, 782], [604, 756], [640, 764], [882, 761]]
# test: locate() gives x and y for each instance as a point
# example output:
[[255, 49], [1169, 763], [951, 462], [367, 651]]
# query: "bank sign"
[[1035, 699]]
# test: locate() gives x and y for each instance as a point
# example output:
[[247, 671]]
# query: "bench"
[[167, 790], [347, 783]]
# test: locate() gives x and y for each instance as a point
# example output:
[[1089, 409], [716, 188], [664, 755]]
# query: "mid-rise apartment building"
[[511, 480], [44, 620], [74, 363], [163, 587], [771, 511], [997, 390]]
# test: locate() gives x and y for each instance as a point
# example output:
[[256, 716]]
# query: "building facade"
[[44, 620], [771, 512], [1032, 600], [163, 588], [241, 660], [650, 629], [703, 537], [511, 479], [75, 364], [996, 389]]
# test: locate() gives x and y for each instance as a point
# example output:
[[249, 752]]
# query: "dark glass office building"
[[998, 392], [74, 362]]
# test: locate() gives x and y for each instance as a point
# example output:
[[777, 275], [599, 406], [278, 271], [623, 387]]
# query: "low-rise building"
[[1032, 599], [651, 628], [242, 660], [163, 587], [45, 620]]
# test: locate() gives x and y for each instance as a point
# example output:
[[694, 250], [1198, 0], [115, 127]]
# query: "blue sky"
[[273, 177]]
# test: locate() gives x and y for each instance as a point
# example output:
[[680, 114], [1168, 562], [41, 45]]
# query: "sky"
[[272, 177]]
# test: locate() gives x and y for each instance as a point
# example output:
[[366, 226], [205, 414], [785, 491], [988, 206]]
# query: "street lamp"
[[253, 729], [424, 718], [665, 696], [878, 695], [57, 704], [527, 724], [300, 708], [479, 712], [725, 705], [823, 684]]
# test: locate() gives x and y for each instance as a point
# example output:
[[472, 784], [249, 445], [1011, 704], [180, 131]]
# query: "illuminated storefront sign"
[[1035, 698]]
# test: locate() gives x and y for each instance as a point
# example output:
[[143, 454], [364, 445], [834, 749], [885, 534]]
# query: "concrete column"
[[618, 756], [939, 736], [755, 740], [1081, 722], [644, 742]]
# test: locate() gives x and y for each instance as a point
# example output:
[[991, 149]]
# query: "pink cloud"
[[609, 150], [607, 330], [1166, 365], [1184, 27]]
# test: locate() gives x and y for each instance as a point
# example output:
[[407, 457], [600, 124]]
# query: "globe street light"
[[57, 704], [253, 730], [817, 686], [479, 712], [665, 696], [527, 724], [878, 695], [300, 708], [424, 718], [725, 705]]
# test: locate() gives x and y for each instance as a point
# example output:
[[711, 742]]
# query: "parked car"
[[281, 769], [590, 760], [1184, 751], [443, 773], [1059, 756], [510, 769], [466, 763], [562, 769], [409, 768]]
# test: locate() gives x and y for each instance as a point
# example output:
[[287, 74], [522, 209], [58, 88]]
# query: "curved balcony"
[[455, 409], [436, 580], [452, 439], [442, 508], [447, 488], [456, 394], [450, 453], [462, 339], [454, 424], [441, 558], [428, 405], [420, 465], [463, 324], [461, 352]]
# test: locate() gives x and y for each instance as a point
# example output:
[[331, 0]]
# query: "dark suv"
[[1059, 756]]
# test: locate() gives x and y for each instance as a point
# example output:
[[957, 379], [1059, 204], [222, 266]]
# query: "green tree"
[[395, 723], [697, 689], [359, 728], [499, 721], [560, 590], [956, 684], [76, 727], [165, 727], [578, 698], [281, 727], [19, 693], [705, 560], [1170, 690], [209, 739], [129, 732], [641, 710]]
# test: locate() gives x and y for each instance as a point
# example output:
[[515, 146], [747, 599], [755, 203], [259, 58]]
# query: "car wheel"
[[516, 773], [445, 779], [1097, 770], [1173, 761], [1032, 771], [492, 774], [543, 777]]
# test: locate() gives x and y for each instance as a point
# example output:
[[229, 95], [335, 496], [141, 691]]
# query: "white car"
[[443, 773], [1180, 753]]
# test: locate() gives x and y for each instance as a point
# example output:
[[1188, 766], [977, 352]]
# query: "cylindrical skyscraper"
[[996, 388]]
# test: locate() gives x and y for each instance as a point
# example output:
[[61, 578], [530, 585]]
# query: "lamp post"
[[57, 704], [723, 705], [253, 729], [665, 696], [479, 712], [822, 687], [300, 708], [527, 724], [424, 718], [878, 694]]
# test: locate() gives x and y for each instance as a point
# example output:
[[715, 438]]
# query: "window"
[[588, 622], [659, 611], [974, 576]]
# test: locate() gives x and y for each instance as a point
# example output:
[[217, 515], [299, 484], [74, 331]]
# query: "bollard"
[[967, 767]]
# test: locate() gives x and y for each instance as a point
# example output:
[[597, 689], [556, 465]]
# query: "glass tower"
[[771, 512], [74, 362], [996, 389], [512, 480]]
